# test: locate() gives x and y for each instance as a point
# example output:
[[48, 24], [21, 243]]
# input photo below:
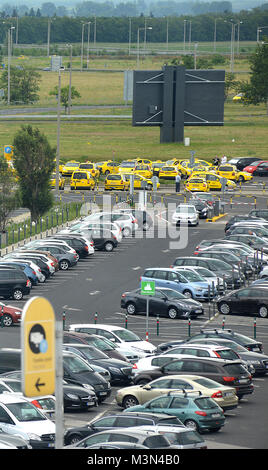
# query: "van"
[[13, 284]]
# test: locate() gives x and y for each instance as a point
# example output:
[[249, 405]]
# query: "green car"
[[199, 412]]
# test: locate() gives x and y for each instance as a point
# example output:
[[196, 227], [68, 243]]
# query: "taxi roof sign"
[[38, 347]]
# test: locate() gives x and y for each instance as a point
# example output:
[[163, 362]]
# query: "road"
[[96, 285]]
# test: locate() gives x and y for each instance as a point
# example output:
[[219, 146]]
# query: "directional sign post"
[[38, 348], [147, 288]]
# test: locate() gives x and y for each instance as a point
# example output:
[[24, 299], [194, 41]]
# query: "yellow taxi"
[[110, 167], [168, 172], [143, 170], [69, 168], [140, 182], [52, 181], [144, 161], [228, 171], [91, 167], [117, 181], [197, 184], [127, 166], [82, 179], [61, 164], [244, 176], [156, 166], [213, 180]]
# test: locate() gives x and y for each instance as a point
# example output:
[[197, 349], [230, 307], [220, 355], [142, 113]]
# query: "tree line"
[[34, 30]]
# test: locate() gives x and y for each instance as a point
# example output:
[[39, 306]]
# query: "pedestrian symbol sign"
[[38, 348], [147, 287]]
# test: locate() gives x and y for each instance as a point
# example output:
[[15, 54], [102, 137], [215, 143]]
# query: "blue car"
[[188, 283], [28, 271]]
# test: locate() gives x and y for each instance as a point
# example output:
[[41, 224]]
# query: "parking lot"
[[90, 292]]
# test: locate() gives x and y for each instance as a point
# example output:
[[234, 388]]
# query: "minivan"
[[13, 283]]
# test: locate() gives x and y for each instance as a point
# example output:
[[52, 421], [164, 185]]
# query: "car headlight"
[[72, 396], [88, 387], [34, 436]]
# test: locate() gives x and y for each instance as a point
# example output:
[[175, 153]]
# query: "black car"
[[231, 373], [230, 258], [201, 206], [121, 371], [247, 342], [77, 371], [257, 360], [13, 283], [249, 300], [231, 275], [166, 302], [245, 161], [103, 239], [76, 397], [240, 218], [74, 241], [119, 420], [98, 342]]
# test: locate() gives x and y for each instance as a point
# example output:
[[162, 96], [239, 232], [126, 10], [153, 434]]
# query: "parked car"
[[65, 259], [120, 371], [19, 417], [116, 334], [10, 315], [26, 268], [119, 420], [201, 206], [229, 257], [224, 395], [248, 300], [77, 371], [255, 242], [166, 302], [185, 213], [241, 163], [195, 287], [231, 275], [262, 213], [218, 282], [198, 412], [13, 284], [82, 246], [144, 219], [127, 222], [223, 371], [241, 218], [13, 441], [149, 439]]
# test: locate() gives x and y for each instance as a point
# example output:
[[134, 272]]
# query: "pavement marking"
[[136, 268], [94, 292]]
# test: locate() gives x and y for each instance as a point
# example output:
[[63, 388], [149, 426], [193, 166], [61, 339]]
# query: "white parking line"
[[136, 268], [94, 292]]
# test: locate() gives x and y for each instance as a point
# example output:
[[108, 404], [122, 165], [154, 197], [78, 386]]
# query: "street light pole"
[[48, 35], [88, 38], [167, 33], [82, 47], [195, 54], [129, 36], [58, 135], [138, 44], [9, 62], [190, 34], [184, 34], [70, 79]]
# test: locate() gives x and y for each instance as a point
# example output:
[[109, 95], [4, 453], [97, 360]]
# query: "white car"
[[84, 225], [126, 222], [48, 241], [18, 416], [185, 213], [117, 335], [26, 255], [179, 437], [153, 362]]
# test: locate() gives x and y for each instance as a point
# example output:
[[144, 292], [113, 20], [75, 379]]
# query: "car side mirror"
[[147, 387]]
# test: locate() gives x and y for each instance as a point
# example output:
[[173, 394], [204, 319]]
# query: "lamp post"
[[232, 44], [95, 31], [88, 38], [82, 47], [9, 62], [70, 79], [129, 35], [184, 34], [138, 44], [190, 34], [167, 33], [58, 135], [259, 30], [238, 36], [48, 34], [195, 53]]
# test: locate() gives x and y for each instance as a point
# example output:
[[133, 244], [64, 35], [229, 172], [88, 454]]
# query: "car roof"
[[98, 325], [7, 398], [201, 346]]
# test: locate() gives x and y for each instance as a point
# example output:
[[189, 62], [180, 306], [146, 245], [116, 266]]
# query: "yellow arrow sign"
[[38, 347]]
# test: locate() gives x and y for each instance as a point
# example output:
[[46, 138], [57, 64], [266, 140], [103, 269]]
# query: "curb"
[[217, 217]]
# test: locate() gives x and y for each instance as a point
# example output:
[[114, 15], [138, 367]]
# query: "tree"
[[9, 199], [256, 90], [24, 84], [34, 163], [64, 95]]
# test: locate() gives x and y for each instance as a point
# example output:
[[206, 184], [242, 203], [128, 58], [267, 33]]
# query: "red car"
[[253, 166], [9, 314]]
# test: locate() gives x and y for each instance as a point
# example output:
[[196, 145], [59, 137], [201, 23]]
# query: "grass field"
[[244, 132]]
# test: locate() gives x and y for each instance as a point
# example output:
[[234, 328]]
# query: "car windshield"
[[192, 276], [102, 344], [72, 164], [208, 383], [128, 164], [76, 365], [205, 272], [93, 353], [126, 335], [15, 386], [205, 403], [235, 346], [235, 369], [185, 209], [173, 294], [25, 412]]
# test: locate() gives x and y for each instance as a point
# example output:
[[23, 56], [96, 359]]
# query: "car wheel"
[[131, 308], [172, 313], [263, 311], [108, 246], [129, 400], [126, 232], [190, 423], [188, 294], [74, 439], [17, 294], [64, 264], [224, 308], [7, 320]]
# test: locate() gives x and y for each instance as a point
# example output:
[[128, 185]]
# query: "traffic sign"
[[38, 348], [8, 152], [147, 287]]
